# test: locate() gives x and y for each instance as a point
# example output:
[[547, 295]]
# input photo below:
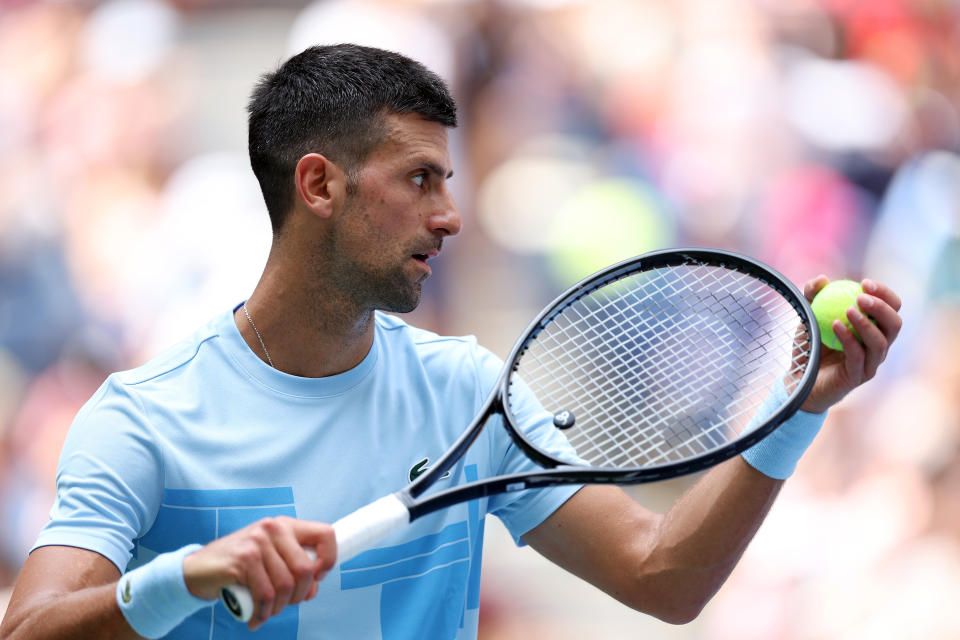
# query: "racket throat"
[[457, 450]]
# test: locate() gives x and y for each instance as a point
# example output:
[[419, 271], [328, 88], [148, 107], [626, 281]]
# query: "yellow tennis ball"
[[830, 304]]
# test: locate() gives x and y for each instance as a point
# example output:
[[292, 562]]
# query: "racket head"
[[663, 364]]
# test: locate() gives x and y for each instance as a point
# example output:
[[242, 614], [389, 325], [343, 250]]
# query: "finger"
[[883, 314], [282, 580], [812, 287], [299, 564], [853, 353], [326, 550], [321, 538], [261, 590], [874, 342], [881, 291], [305, 581]]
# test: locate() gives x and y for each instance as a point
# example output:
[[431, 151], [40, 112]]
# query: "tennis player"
[[217, 462]]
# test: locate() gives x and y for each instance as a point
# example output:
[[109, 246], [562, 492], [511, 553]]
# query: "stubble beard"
[[369, 286], [372, 287], [395, 295]]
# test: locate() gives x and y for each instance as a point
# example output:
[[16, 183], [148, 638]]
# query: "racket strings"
[[683, 425], [664, 364]]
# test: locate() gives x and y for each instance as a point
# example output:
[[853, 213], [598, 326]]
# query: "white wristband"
[[154, 598], [777, 454]]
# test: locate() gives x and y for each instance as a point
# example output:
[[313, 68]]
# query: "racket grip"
[[368, 525], [355, 532]]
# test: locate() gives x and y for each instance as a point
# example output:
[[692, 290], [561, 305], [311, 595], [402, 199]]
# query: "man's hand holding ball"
[[858, 322]]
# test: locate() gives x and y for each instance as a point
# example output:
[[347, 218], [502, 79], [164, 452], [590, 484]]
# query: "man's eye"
[[419, 179]]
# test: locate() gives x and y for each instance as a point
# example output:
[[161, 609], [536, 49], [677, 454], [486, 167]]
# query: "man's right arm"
[[65, 592], [68, 592]]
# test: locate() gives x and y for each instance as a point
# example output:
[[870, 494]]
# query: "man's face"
[[396, 217]]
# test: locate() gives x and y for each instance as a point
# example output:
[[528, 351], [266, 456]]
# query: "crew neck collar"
[[286, 383]]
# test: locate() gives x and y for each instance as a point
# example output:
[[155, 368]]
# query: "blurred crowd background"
[[820, 136]]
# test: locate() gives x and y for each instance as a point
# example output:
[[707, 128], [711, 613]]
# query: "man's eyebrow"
[[438, 170]]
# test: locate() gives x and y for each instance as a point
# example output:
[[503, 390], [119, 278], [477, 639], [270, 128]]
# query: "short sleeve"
[[109, 478]]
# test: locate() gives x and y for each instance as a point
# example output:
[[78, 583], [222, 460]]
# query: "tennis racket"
[[656, 367]]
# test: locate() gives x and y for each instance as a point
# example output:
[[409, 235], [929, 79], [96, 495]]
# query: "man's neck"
[[307, 333]]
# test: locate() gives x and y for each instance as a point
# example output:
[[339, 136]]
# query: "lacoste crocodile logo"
[[421, 467], [125, 596]]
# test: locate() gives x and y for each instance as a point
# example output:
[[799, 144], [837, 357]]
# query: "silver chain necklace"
[[257, 331]]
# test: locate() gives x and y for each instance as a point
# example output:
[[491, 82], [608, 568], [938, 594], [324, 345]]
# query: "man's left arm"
[[671, 565]]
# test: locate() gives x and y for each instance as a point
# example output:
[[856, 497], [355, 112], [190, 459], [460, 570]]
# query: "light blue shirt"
[[207, 438]]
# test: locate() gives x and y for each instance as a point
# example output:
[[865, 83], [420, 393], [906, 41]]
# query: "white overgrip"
[[368, 525]]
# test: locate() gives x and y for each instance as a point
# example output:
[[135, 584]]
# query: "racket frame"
[[559, 472]]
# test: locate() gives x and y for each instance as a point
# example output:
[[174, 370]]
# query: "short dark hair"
[[331, 99]]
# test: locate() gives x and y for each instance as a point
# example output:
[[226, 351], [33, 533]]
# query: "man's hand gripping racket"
[[655, 367]]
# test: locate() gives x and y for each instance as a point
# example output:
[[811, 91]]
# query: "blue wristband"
[[154, 598], [777, 455]]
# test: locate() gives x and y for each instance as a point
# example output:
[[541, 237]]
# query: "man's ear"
[[321, 184]]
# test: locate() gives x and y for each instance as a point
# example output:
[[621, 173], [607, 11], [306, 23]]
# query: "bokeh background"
[[820, 136]]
